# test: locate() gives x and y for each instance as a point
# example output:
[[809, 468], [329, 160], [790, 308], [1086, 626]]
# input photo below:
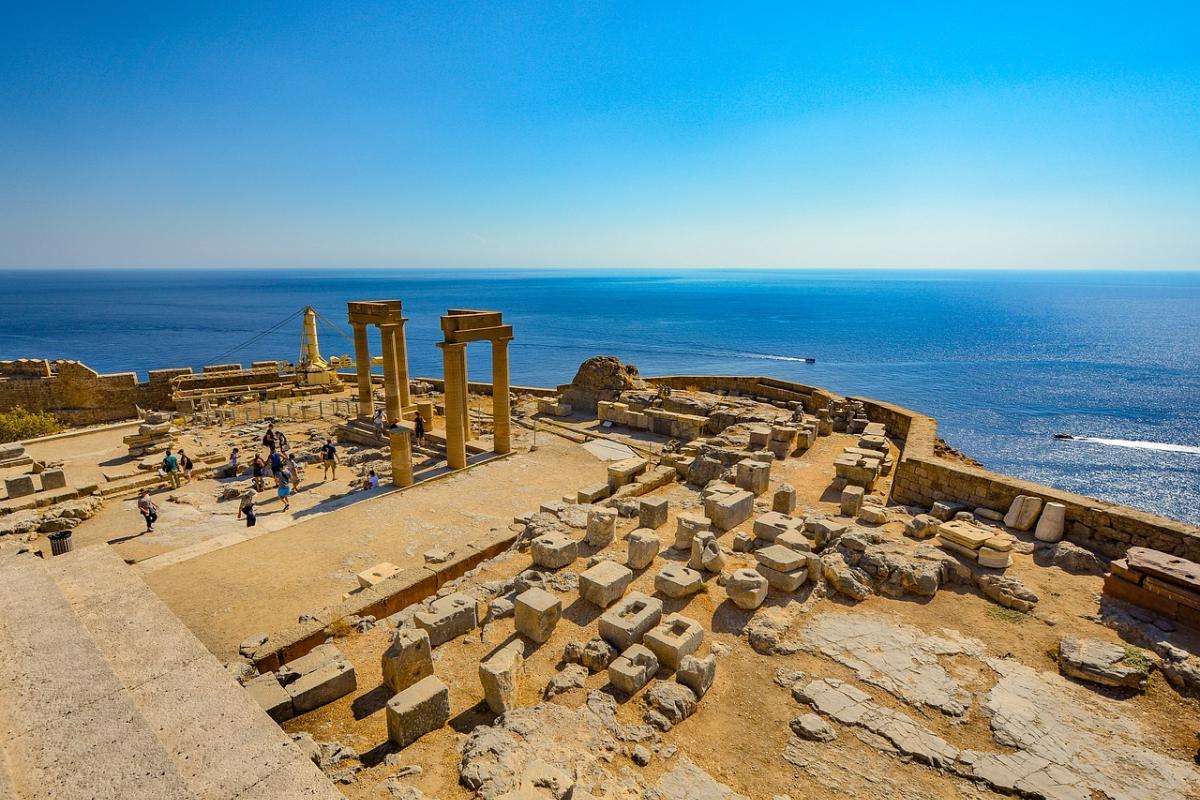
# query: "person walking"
[[283, 483], [246, 508], [281, 441], [259, 470], [377, 420], [329, 459], [275, 460], [233, 462], [293, 468], [185, 465], [268, 439], [170, 465], [148, 510], [419, 430]]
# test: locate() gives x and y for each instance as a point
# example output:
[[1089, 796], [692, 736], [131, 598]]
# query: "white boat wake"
[[1163, 446]]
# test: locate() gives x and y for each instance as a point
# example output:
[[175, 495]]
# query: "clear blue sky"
[[600, 134]]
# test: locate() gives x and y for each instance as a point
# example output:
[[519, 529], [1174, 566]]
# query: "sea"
[[1003, 359]]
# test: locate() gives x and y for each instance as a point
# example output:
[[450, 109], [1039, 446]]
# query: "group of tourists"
[[280, 462]]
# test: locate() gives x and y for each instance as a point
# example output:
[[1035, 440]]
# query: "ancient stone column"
[[466, 408], [362, 365], [391, 388], [401, 444], [501, 411], [401, 347], [452, 369]]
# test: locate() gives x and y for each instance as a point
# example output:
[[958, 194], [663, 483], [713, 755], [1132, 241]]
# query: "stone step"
[[68, 728], [222, 743]]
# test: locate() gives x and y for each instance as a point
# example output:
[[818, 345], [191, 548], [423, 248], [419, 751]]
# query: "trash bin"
[[60, 542]]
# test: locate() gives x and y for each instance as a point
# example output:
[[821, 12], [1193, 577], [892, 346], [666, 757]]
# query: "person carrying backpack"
[[246, 508], [148, 510], [170, 466], [329, 459]]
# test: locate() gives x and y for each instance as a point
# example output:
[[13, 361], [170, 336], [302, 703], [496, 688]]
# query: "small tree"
[[20, 423]]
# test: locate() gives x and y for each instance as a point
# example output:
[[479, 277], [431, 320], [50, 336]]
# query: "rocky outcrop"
[[600, 378]]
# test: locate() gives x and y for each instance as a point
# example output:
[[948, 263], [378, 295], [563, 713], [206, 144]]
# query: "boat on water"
[[1063, 436]]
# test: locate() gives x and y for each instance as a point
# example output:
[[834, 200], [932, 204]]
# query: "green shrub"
[[19, 423]]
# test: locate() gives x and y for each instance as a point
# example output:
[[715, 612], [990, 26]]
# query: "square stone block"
[[633, 669], [553, 550], [501, 674], [652, 512], [673, 638], [19, 486], [626, 623], [794, 540], [604, 583], [407, 659], [592, 494], [784, 581], [727, 510], [601, 527], [536, 612], [418, 710], [784, 500], [852, 500], [273, 698], [770, 525], [376, 574], [686, 528], [625, 472], [54, 479], [753, 476], [697, 673], [677, 581], [781, 558], [323, 685], [643, 548], [448, 618]]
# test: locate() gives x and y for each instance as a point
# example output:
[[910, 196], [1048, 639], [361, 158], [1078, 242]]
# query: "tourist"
[[246, 508], [268, 439], [283, 483], [276, 462], [170, 466], [185, 465], [293, 468], [233, 463], [147, 509], [281, 441], [372, 480], [419, 430], [259, 470], [378, 421], [329, 459]]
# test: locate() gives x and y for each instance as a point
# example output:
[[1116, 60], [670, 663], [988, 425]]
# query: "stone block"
[[686, 528], [746, 589], [770, 525], [272, 697], [448, 618], [1023, 512], [54, 479], [643, 548], [1050, 527], [852, 500], [706, 554], [922, 526], [782, 581], [742, 542], [652, 512], [501, 674], [592, 494], [627, 622], [336, 678], [407, 659], [677, 581], [781, 558], [536, 612], [946, 510], [824, 530], [727, 510], [19, 486], [418, 710], [604, 583], [553, 550], [673, 638], [625, 472], [794, 540], [784, 500], [753, 476], [633, 669], [376, 574], [601, 527], [697, 673]]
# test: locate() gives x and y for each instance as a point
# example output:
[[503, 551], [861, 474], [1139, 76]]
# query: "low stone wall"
[[813, 398]]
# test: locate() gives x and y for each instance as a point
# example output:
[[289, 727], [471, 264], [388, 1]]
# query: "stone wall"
[[813, 398]]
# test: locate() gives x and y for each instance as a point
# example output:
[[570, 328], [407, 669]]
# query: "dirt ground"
[[740, 732]]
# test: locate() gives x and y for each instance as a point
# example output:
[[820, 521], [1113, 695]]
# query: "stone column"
[[466, 408], [401, 346], [391, 389], [362, 365], [452, 370], [400, 437], [501, 411]]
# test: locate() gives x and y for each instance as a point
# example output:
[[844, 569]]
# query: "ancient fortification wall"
[[923, 477], [78, 395]]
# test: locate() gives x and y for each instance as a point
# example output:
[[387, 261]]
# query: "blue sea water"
[[1002, 359]]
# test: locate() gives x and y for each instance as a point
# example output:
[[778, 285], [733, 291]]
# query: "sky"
[[596, 134]]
